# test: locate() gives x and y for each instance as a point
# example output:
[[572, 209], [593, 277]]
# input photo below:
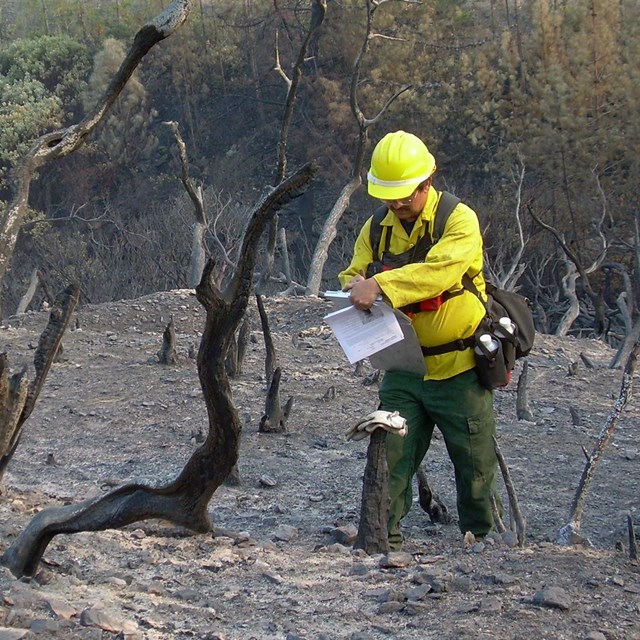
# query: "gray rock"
[[13, 634], [345, 535], [396, 560], [491, 604], [390, 607], [510, 539], [595, 635], [417, 593], [553, 598], [99, 617], [44, 625], [285, 533]]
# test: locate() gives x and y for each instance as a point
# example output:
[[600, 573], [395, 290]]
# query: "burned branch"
[[17, 396], [514, 507], [570, 533]]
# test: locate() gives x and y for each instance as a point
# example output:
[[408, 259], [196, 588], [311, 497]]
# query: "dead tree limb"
[[198, 252], [60, 143], [17, 396], [570, 533], [633, 542], [183, 501], [514, 507], [271, 359], [238, 349], [430, 501]]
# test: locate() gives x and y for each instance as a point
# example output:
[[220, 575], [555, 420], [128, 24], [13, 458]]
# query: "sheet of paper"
[[362, 333]]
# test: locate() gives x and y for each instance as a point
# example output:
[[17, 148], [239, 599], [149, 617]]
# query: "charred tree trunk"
[[237, 350], [167, 353], [183, 501], [374, 509], [271, 360], [275, 415]]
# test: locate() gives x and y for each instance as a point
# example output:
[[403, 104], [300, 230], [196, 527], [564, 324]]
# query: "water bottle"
[[506, 328], [506, 331], [487, 346]]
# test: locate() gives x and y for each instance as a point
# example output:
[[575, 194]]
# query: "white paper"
[[363, 333]]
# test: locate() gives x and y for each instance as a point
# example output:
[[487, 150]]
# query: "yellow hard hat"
[[400, 162]]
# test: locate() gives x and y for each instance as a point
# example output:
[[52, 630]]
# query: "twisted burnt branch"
[[183, 501]]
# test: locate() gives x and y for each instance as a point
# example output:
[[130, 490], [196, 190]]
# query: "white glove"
[[392, 422]]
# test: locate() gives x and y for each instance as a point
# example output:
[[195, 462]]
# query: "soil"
[[281, 564]]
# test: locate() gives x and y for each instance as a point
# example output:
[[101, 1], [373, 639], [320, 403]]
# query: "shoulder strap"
[[375, 232], [448, 202]]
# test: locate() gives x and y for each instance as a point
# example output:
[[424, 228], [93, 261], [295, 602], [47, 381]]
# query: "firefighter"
[[426, 283]]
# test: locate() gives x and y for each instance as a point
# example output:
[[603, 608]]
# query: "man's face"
[[408, 209]]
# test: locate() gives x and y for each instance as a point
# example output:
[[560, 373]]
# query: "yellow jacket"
[[458, 251]]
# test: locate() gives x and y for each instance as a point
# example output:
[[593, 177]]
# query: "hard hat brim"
[[383, 190]]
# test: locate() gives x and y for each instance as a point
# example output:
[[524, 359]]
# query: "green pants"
[[463, 411]]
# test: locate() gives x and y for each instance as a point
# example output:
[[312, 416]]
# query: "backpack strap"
[[448, 202], [375, 232]]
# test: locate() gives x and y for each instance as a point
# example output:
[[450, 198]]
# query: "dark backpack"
[[499, 302]]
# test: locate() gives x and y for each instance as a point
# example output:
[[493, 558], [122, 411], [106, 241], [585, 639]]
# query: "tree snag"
[[570, 532], [183, 501], [517, 519], [17, 396], [523, 412], [167, 353], [374, 508], [275, 415]]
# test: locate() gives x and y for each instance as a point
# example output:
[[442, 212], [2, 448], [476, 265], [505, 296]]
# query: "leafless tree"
[[318, 10], [329, 228], [198, 252]]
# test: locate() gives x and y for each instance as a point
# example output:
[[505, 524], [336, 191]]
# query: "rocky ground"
[[110, 414]]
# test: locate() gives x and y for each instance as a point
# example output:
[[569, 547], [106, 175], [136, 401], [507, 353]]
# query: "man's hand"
[[364, 292]]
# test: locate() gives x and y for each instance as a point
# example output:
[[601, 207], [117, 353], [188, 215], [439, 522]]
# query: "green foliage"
[[39, 83], [58, 63], [26, 111]]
